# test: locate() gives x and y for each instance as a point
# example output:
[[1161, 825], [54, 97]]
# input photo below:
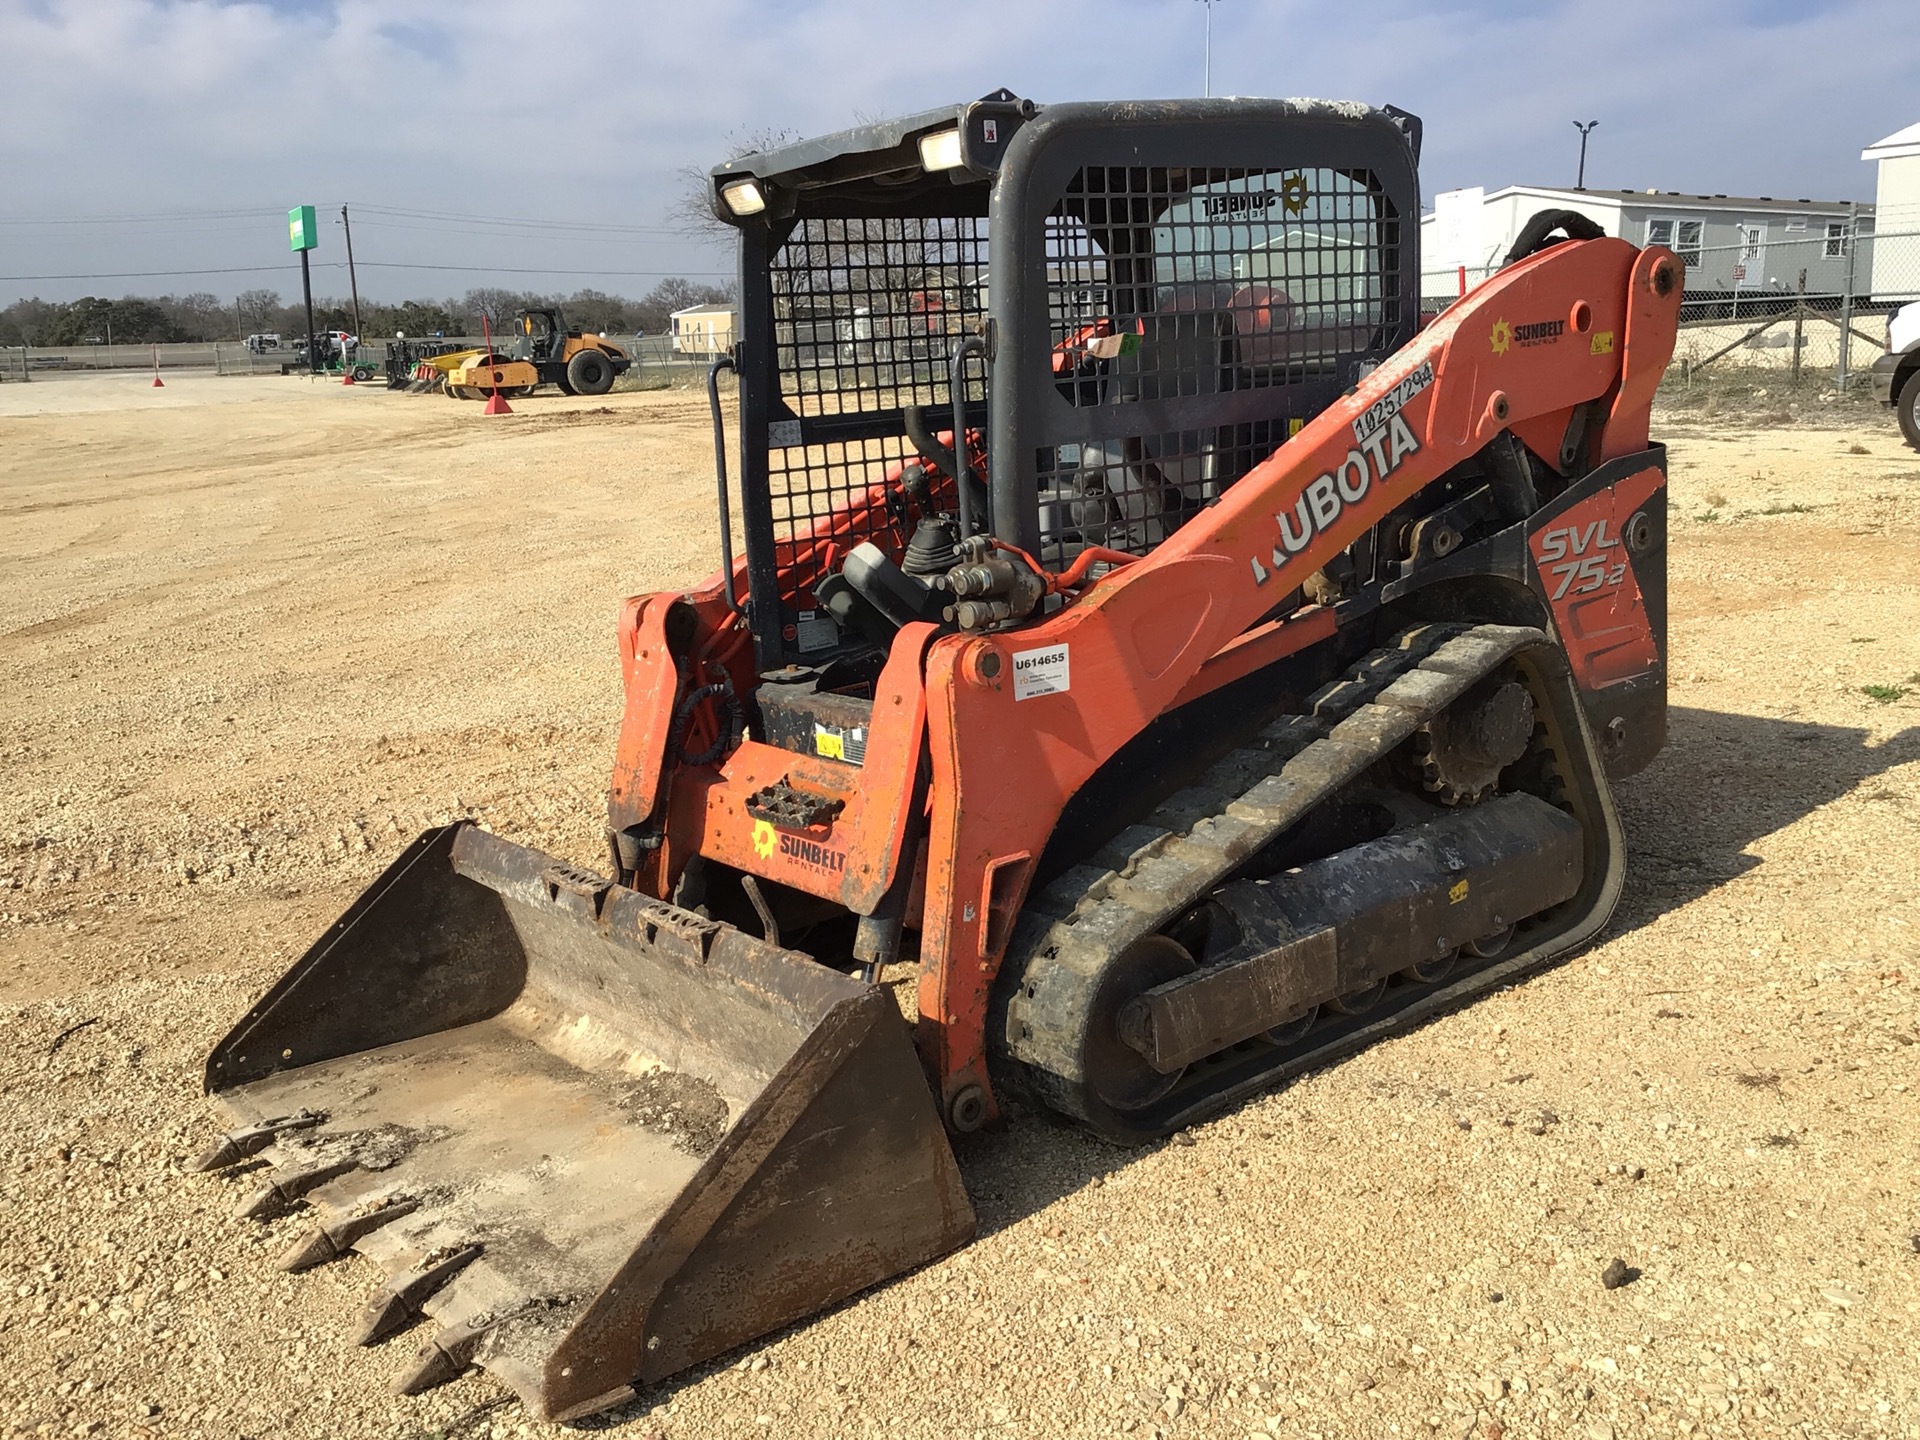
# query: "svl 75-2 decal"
[[1576, 559], [1584, 560]]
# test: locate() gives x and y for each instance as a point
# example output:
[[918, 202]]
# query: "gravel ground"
[[247, 648]]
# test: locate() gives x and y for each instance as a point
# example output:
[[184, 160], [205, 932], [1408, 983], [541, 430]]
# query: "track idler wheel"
[[1294, 1031], [1429, 972], [1117, 1073], [1358, 1002], [1488, 946]]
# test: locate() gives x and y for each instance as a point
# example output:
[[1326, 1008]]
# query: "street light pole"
[[1581, 183], [1207, 60]]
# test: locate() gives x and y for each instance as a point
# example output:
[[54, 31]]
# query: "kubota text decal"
[[1320, 505]]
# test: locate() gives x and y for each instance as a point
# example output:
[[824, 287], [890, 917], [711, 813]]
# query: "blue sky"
[[146, 136]]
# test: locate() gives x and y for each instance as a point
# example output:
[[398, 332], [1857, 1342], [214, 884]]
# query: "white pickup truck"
[[1896, 374]]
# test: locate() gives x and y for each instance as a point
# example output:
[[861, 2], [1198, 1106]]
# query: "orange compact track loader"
[[1151, 640]]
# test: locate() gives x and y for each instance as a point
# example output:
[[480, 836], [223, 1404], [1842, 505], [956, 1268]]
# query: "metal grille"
[[867, 312], [1168, 284], [811, 483]]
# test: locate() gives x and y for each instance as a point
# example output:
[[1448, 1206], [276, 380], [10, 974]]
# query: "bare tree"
[[694, 210], [256, 309]]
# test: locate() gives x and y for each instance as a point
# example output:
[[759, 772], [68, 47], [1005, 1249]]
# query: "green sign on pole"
[[302, 231]]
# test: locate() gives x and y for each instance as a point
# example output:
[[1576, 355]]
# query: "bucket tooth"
[[445, 1357], [330, 1242], [395, 1306], [277, 1195], [238, 1145]]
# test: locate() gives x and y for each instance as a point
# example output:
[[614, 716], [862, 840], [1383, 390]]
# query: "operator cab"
[[1065, 329], [541, 335]]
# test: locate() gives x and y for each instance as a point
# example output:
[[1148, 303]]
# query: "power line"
[[504, 270], [516, 221], [555, 237], [145, 219], [163, 274], [512, 222], [382, 265]]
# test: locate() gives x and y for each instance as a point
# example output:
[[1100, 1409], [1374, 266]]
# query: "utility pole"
[[353, 281], [1581, 183]]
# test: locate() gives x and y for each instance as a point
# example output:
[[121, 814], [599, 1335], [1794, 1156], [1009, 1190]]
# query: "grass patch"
[[1707, 517], [1796, 508], [1885, 694], [1863, 640], [1858, 449]]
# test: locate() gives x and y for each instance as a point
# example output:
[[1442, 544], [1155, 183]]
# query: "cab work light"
[[744, 197], [940, 150]]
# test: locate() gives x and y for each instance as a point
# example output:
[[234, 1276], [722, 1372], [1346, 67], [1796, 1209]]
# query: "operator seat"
[[1137, 491]]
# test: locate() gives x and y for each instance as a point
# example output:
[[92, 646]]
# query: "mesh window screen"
[[866, 314], [1166, 284]]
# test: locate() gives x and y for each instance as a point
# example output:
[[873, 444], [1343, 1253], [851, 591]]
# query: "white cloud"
[[585, 112]]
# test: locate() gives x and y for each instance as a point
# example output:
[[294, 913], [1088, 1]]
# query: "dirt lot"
[[254, 634]]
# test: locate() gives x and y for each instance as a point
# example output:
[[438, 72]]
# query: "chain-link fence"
[[656, 363], [1801, 308]]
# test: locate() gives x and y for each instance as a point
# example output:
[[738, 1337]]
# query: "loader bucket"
[[595, 1137]]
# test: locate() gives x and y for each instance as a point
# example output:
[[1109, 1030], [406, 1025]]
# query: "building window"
[[1836, 239], [1680, 236]]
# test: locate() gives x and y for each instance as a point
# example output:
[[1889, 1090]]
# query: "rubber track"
[[1149, 874]]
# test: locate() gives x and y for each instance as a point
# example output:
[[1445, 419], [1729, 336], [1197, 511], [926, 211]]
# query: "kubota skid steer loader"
[[1147, 631]]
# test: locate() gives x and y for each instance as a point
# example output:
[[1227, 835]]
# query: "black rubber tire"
[[590, 372], [362, 374], [1907, 407]]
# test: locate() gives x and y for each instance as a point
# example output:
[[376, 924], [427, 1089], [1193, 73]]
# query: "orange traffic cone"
[[497, 405], [347, 379], [156, 369]]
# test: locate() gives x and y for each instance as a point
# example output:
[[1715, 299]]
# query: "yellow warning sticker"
[[1457, 893], [830, 743], [763, 838], [1294, 426], [1601, 344]]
